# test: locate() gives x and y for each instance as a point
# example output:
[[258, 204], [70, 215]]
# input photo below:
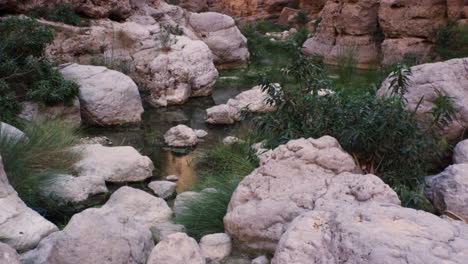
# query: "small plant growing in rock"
[[165, 37], [400, 79], [302, 18]]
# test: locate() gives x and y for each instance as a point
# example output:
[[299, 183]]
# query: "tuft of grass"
[[33, 162], [61, 12]]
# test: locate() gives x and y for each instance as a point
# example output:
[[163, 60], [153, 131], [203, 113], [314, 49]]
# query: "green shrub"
[[61, 12], [166, 37], [34, 161], [302, 18], [451, 41], [300, 36], [25, 73]]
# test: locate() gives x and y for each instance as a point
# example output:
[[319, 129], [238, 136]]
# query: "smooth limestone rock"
[[20, 227], [448, 190], [225, 40], [253, 100], [114, 164], [261, 260], [10, 133], [163, 189], [183, 136], [216, 247], [8, 255], [177, 248], [70, 115], [162, 230], [94, 237], [75, 189], [171, 178], [460, 153], [107, 97], [427, 80], [373, 233], [303, 175]]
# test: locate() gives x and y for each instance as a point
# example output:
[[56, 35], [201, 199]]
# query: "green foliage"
[[32, 162], [347, 63], [302, 18], [166, 37], [452, 40], [400, 78], [443, 113], [24, 71], [221, 168], [300, 37], [61, 12]]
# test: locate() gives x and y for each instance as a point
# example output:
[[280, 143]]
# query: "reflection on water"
[[182, 166]]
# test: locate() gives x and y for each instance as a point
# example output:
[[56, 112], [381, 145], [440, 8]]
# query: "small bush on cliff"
[[302, 18], [452, 40], [25, 72], [61, 12]]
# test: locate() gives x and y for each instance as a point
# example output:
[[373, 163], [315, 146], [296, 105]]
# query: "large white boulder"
[[183, 136], [449, 78], [107, 97], [448, 190], [177, 248], [21, 227], [114, 164], [303, 175], [373, 234], [216, 247], [94, 237], [253, 100], [75, 189], [460, 153], [185, 70], [8, 255], [225, 40]]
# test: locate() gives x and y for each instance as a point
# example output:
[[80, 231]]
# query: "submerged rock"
[[183, 136], [177, 248], [303, 175]]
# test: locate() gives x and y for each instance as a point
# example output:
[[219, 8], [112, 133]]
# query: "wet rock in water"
[[70, 115], [94, 236], [114, 164], [430, 79], [10, 133], [232, 140], [8, 255], [107, 97], [372, 233], [172, 178], [225, 40], [460, 153], [216, 247], [253, 100], [183, 136], [75, 189], [20, 227], [182, 199], [177, 248], [261, 260], [448, 190], [163, 189], [161, 230], [303, 175]]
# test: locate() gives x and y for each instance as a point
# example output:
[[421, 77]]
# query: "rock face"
[[20, 226], [76, 189], [371, 234], [91, 237], [251, 10], [176, 248], [216, 247], [70, 115], [163, 189], [114, 164], [253, 100], [460, 153], [448, 190], [225, 40], [303, 175], [194, 5], [183, 136], [449, 78], [107, 97], [8, 255]]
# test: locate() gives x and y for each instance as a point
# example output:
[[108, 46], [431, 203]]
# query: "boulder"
[[94, 237], [225, 40], [183, 136], [303, 175], [8, 255], [70, 115], [162, 230], [232, 140], [216, 247], [253, 100], [163, 189], [172, 178], [20, 227], [448, 190], [114, 164], [261, 260], [177, 248], [460, 153], [10, 133], [182, 199], [75, 189], [448, 78], [372, 233], [107, 97]]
